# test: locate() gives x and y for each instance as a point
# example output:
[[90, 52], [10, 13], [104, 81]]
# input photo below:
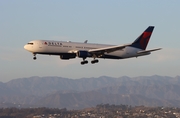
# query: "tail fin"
[[142, 41]]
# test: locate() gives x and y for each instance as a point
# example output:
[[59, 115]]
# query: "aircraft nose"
[[25, 47]]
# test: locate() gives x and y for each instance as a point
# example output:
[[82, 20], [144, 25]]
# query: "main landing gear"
[[34, 57], [85, 61], [94, 61]]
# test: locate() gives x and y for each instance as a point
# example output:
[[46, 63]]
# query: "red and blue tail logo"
[[142, 41]]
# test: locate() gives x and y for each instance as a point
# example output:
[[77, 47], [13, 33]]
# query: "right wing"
[[85, 41]]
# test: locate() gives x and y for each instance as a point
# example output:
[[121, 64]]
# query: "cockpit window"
[[30, 43]]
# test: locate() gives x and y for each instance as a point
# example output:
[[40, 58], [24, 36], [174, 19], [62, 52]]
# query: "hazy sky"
[[98, 21]]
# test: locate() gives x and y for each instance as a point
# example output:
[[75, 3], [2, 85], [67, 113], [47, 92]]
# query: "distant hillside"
[[92, 98], [87, 92]]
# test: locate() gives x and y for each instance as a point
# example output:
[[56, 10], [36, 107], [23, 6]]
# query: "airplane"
[[69, 50]]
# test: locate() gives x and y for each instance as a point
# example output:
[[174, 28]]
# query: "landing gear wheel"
[[84, 62], [34, 58], [94, 61]]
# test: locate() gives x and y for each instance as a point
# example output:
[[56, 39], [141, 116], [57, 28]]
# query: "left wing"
[[101, 51]]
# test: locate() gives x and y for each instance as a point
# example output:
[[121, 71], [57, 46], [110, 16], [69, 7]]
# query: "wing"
[[85, 41], [101, 51]]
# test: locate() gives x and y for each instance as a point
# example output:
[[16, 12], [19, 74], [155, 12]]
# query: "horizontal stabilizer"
[[148, 51]]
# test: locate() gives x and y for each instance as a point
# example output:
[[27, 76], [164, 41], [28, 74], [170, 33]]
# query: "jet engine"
[[84, 54], [67, 56]]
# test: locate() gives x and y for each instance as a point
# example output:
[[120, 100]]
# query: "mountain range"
[[59, 92]]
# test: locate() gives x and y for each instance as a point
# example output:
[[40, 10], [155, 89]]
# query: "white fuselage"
[[60, 47], [70, 50]]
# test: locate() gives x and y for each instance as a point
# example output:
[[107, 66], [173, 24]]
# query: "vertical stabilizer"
[[142, 41]]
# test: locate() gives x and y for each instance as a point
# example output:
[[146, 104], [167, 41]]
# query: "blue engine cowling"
[[66, 56], [83, 54]]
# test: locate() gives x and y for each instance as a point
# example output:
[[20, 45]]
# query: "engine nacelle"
[[67, 57], [83, 54]]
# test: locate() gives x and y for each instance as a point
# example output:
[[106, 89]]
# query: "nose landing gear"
[[34, 57]]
